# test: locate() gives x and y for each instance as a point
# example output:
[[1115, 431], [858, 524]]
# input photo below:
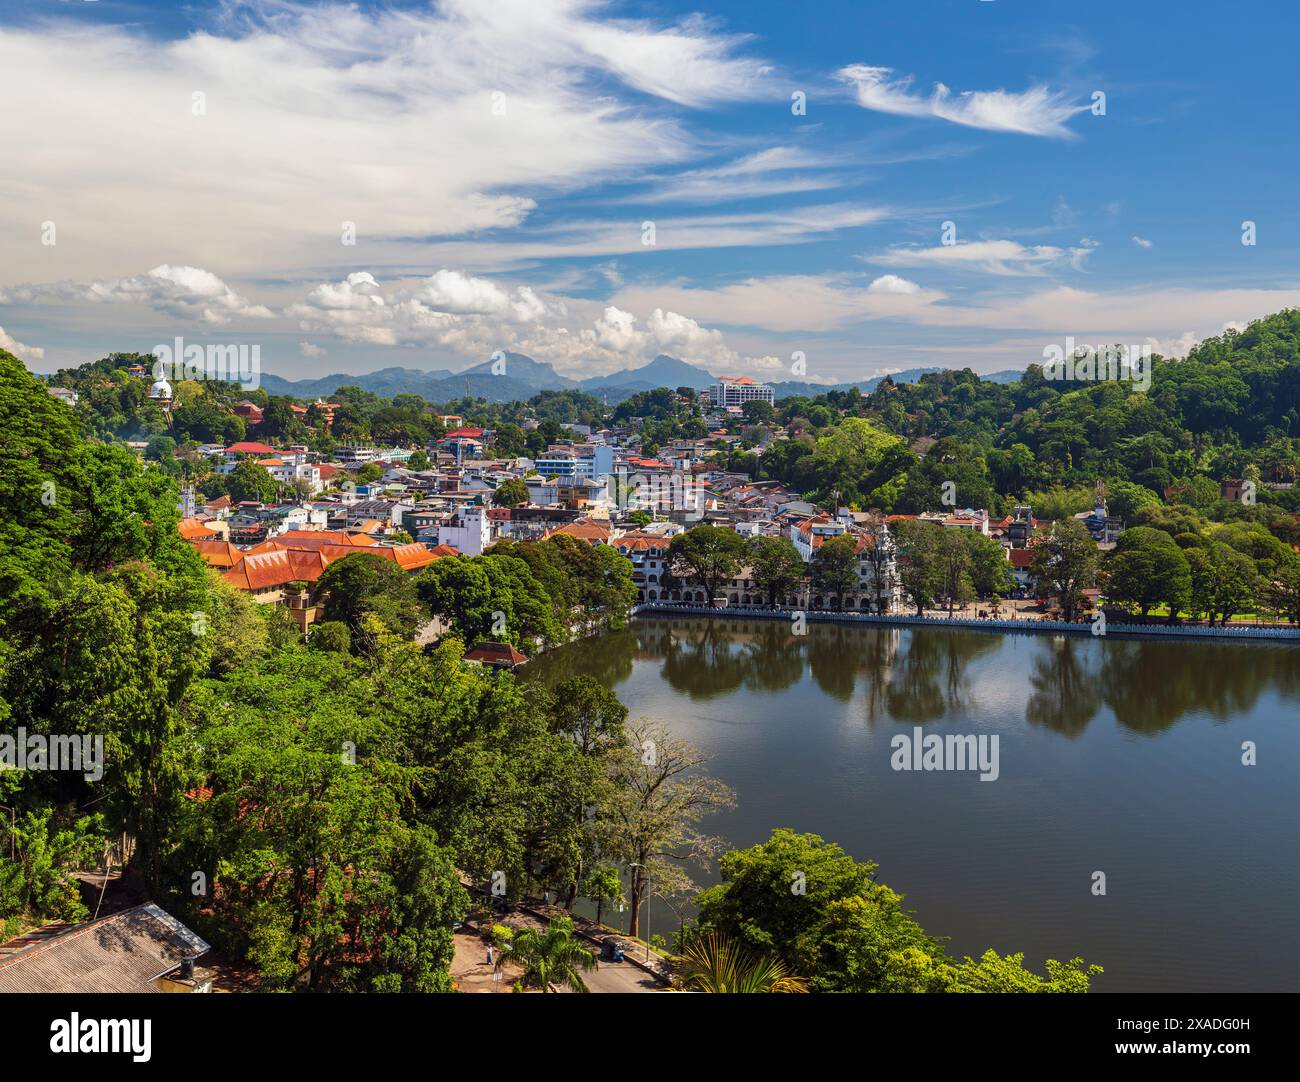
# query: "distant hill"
[[663, 371], [1007, 375], [795, 389], [386, 383], [521, 377]]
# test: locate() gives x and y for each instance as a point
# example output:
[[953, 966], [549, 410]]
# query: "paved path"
[[472, 973]]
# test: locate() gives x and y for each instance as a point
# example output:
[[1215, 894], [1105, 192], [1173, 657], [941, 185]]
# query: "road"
[[472, 973]]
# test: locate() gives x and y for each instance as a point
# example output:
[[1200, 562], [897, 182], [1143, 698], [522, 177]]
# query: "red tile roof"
[[217, 553], [316, 538], [249, 449], [495, 652]]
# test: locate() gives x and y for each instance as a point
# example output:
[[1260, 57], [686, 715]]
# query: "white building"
[[471, 532], [590, 460], [736, 391]]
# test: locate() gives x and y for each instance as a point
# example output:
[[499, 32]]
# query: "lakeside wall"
[[1113, 629]]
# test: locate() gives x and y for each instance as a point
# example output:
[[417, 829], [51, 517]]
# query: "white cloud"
[[451, 291], [790, 303], [18, 349], [999, 257], [1036, 111], [310, 349], [313, 116], [181, 292], [1142, 242], [774, 171], [892, 283], [186, 293], [474, 317]]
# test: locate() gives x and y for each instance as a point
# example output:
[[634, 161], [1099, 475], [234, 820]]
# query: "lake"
[[1119, 756]]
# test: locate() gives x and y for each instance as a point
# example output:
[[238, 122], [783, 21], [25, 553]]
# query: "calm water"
[[1118, 756]]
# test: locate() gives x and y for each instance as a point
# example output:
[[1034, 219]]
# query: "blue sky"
[[196, 170]]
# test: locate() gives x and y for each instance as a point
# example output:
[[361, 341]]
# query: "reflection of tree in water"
[[703, 660], [1067, 690], [776, 656], [834, 654], [1150, 684], [608, 658], [709, 658], [926, 680]]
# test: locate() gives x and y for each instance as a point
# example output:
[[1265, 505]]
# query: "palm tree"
[[549, 958], [713, 963]]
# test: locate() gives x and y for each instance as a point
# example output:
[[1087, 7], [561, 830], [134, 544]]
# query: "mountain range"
[[515, 376]]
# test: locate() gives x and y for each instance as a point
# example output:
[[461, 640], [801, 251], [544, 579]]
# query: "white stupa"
[[161, 390]]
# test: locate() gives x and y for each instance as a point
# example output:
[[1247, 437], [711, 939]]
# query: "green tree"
[[604, 888], [1147, 569], [361, 584], [510, 493], [834, 566], [659, 798], [1224, 581], [549, 958], [249, 481], [1065, 563], [919, 552], [713, 963], [708, 556], [776, 567]]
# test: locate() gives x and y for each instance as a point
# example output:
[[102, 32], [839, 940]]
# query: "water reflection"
[[926, 675]]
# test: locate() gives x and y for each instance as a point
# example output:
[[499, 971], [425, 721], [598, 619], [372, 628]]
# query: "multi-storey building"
[[736, 391]]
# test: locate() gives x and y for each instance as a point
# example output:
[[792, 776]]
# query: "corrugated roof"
[[124, 952]]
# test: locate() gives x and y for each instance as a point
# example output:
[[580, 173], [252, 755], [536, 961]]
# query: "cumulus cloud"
[[188, 293], [18, 349], [1036, 111], [892, 283], [1000, 257], [310, 349], [1142, 242], [181, 292], [475, 317]]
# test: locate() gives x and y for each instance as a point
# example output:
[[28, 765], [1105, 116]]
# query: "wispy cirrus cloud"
[[1007, 258], [1036, 111], [268, 131]]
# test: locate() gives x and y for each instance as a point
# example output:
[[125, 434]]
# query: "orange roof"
[[316, 538], [410, 557], [584, 531], [639, 542], [217, 553], [193, 529], [270, 462], [264, 570], [368, 526], [249, 449]]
